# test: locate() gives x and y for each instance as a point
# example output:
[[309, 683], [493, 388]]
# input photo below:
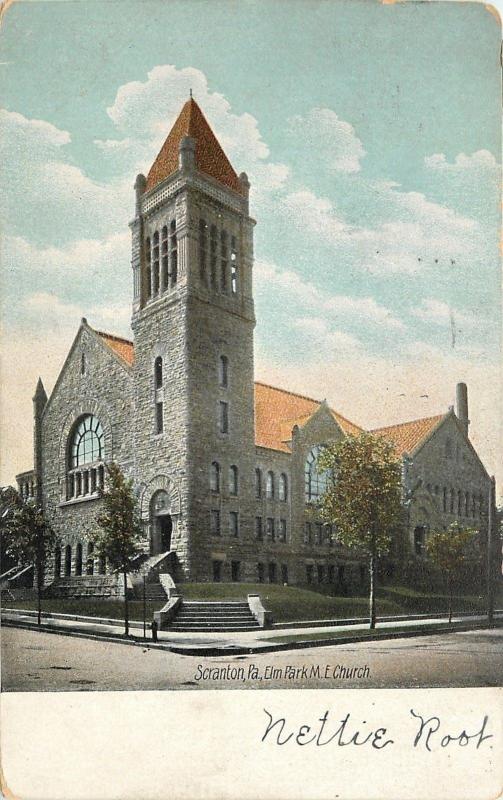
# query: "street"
[[38, 661]]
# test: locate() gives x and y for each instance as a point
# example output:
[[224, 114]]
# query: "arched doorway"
[[161, 523]]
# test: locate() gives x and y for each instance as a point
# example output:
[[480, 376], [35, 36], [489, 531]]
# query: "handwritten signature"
[[429, 733]]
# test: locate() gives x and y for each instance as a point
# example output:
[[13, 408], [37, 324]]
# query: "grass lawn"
[[289, 603], [416, 602], [109, 609]]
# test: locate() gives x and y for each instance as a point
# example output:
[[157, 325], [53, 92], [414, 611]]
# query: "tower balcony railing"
[[85, 482]]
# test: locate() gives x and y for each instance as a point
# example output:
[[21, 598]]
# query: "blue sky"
[[371, 136]]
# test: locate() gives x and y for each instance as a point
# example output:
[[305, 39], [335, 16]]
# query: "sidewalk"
[[259, 640]]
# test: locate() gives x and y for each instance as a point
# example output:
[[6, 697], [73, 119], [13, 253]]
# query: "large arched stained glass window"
[[316, 480], [88, 442]]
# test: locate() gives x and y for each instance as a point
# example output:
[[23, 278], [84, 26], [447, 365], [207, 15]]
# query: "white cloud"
[[145, 111], [480, 160], [85, 272], [318, 333], [373, 391], [411, 234], [436, 312], [47, 193], [308, 295], [321, 131]]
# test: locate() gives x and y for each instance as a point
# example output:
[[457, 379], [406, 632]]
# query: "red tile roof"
[[408, 435], [122, 347], [210, 158], [277, 411]]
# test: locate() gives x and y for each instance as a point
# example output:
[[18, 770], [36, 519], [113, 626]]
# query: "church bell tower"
[[193, 321]]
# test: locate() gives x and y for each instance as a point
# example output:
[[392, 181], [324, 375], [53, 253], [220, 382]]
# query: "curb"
[[214, 652]]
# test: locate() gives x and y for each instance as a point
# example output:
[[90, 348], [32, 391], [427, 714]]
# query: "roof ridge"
[[408, 422], [287, 391], [113, 336]]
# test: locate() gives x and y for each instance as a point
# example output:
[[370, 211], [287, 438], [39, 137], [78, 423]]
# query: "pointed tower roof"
[[210, 158], [40, 393]]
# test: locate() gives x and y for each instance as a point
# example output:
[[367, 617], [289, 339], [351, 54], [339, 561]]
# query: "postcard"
[[251, 499]]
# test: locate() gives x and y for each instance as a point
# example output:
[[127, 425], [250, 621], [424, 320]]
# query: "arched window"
[[57, 562], [78, 559], [258, 483], [148, 265], [155, 264], [215, 477], [173, 254], [451, 502], [164, 258], [203, 246], [83, 364], [158, 372], [316, 480], [283, 487], [68, 560], [213, 256], [87, 443], [269, 485], [223, 371], [223, 261], [233, 479]]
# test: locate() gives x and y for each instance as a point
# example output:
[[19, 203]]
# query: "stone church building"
[[225, 468]]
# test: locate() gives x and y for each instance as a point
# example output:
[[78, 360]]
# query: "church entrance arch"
[[161, 523]]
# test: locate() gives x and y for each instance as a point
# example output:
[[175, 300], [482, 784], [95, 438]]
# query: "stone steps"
[[205, 616]]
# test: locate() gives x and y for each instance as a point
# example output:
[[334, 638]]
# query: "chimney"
[[187, 154], [462, 406], [139, 188]]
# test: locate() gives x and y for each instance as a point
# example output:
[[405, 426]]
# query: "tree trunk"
[[126, 606], [449, 588], [372, 597]]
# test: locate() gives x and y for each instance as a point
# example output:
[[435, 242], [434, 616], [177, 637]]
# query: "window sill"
[[81, 499]]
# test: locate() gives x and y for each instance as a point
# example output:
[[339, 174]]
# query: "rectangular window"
[[233, 523], [258, 528], [234, 266], [330, 535], [319, 533], [282, 530], [321, 573], [215, 522], [270, 528], [272, 572], [284, 574], [223, 261], [159, 422], [309, 573], [235, 570], [260, 572], [217, 571], [224, 417]]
